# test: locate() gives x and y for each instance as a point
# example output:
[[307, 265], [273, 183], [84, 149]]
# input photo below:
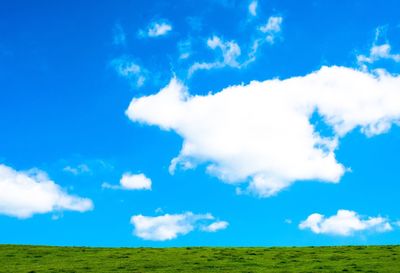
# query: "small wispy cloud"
[[129, 69], [185, 49], [378, 51], [272, 28], [170, 226], [156, 29], [229, 54], [253, 8], [288, 221]]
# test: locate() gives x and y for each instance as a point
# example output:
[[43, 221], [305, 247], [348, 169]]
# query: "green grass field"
[[16, 259]]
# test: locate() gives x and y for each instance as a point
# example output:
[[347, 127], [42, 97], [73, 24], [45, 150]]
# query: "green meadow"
[[24, 259]]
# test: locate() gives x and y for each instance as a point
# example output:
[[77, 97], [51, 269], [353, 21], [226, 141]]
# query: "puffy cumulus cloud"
[[23, 194], [157, 29], [131, 182], [253, 8], [135, 182], [344, 223], [127, 68], [170, 226], [261, 134], [272, 28]]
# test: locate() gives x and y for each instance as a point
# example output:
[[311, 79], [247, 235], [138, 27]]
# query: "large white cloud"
[[23, 194], [170, 226], [261, 133], [344, 223]]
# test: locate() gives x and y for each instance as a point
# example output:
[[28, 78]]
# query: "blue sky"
[[172, 123]]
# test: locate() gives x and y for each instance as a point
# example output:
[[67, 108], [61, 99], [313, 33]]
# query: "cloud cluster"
[[170, 226], [230, 53], [261, 133], [380, 50], [129, 69], [131, 182], [344, 223], [272, 28], [377, 52], [23, 194]]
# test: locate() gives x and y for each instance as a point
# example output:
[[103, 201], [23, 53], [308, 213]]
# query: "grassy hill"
[[24, 259]]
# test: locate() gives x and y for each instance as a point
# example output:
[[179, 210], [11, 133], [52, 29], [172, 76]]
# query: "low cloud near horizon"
[[170, 226], [345, 223]]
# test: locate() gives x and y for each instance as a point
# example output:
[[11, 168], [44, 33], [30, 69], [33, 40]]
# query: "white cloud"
[[214, 227], [378, 52], [23, 194], [272, 28], [344, 223], [127, 68], [261, 133], [168, 226], [185, 48], [230, 52], [135, 182], [80, 169], [130, 182], [253, 8], [157, 29]]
